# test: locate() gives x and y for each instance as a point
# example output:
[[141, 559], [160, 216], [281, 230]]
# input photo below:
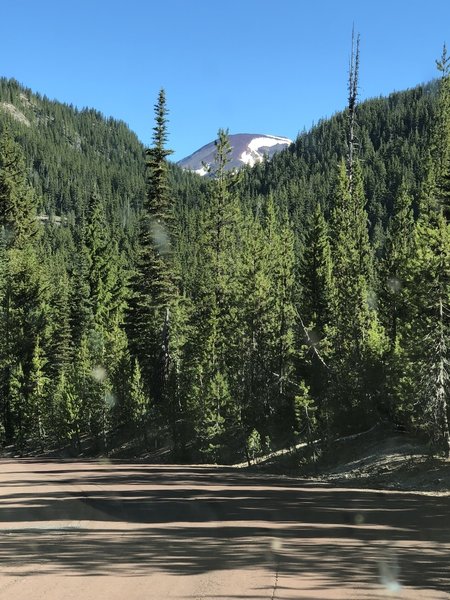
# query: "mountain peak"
[[247, 149]]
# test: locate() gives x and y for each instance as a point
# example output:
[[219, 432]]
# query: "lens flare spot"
[[276, 545], [389, 572], [160, 237], [394, 284], [99, 374], [110, 400]]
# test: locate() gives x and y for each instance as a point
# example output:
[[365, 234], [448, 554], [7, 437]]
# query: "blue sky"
[[254, 66]]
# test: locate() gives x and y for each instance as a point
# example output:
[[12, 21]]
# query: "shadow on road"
[[85, 518]]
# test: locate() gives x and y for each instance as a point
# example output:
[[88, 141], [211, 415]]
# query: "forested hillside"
[[392, 141], [300, 299]]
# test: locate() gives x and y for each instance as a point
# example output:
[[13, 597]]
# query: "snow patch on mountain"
[[247, 149], [259, 147], [202, 171]]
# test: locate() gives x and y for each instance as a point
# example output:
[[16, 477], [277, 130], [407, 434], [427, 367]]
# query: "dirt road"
[[91, 530]]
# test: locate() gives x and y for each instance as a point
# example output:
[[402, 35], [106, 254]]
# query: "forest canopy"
[[304, 298]]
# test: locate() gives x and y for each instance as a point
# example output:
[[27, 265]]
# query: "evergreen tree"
[[393, 269], [441, 138], [23, 319], [40, 411], [426, 337], [154, 305], [353, 81], [350, 316], [81, 316], [101, 261], [283, 292], [354, 330], [395, 303], [315, 309], [210, 350], [257, 329], [138, 401], [18, 407], [59, 343], [425, 382], [68, 411], [423, 387], [266, 324], [17, 201]]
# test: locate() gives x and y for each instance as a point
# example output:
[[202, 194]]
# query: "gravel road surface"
[[113, 531]]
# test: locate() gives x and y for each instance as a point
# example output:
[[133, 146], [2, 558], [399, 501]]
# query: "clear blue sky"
[[254, 66]]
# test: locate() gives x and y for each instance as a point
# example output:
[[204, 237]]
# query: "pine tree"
[[426, 339], [81, 316], [263, 362], [68, 411], [22, 310], [351, 315], [59, 347], [316, 277], [441, 138], [353, 81], [315, 309], [436, 244], [394, 305], [257, 329], [107, 281], [19, 408], [138, 400], [354, 330], [23, 319], [38, 382], [427, 335], [283, 292], [154, 306], [393, 271], [211, 348], [17, 201], [101, 261]]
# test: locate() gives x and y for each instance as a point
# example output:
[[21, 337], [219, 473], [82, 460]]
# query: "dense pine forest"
[[302, 299]]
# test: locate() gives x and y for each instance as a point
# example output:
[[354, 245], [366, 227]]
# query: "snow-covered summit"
[[248, 149]]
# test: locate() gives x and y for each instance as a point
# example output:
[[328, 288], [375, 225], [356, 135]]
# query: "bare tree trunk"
[[352, 98], [441, 384]]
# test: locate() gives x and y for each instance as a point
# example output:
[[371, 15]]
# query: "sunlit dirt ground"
[[102, 530]]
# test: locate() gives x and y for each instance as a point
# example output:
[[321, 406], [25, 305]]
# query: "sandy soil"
[[379, 458], [384, 459]]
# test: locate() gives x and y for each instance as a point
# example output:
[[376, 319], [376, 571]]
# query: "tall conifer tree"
[[154, 306], [427, 339], [23, 297], [352, 315], [214, 321], [315, 308]]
